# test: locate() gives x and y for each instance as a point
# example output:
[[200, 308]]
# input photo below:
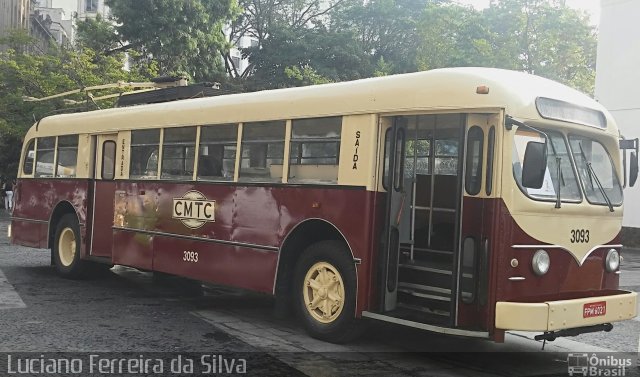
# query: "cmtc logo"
[[193, 209]]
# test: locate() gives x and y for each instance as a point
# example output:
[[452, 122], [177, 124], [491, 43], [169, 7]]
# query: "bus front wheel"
[[66, 248], [325, 289]]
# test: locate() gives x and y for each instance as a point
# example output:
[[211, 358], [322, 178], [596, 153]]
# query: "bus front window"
[[566, 182], [587, 151]]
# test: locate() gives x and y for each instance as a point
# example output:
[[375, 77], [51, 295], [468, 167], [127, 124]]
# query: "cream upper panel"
[[453, 88], [550, 225]]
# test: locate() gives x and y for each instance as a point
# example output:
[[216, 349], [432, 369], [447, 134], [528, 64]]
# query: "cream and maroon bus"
[[466, 201]]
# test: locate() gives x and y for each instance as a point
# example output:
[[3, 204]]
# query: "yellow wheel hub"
[[323, 292], [67, 247]]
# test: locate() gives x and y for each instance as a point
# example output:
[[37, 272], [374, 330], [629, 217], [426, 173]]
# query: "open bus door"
[[422, 178], [424, 269]]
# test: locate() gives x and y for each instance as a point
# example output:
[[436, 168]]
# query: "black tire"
[[335, 323], [66, 249]]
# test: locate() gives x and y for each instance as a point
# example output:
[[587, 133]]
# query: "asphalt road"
[[128, 311]]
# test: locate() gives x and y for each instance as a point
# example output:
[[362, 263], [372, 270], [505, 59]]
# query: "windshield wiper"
[[559, 174], [592, 174], [509, 122]]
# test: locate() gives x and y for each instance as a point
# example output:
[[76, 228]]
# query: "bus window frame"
[[582, 184], [53, 163], [31, 142], [65, 147], [266, 142], [146, 162], [477, 188], [221, 142], [102, 163], [573, 167], [388, 136], [165, 176]]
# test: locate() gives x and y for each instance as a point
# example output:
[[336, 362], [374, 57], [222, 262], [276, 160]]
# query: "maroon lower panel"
[[133, 249], [217, 263], [28, 233]]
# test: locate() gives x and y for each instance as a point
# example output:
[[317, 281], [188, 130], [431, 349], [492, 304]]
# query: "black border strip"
[[194, 238]]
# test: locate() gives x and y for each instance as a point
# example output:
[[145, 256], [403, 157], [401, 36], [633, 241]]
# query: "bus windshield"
[[566, 182], [587, 151]]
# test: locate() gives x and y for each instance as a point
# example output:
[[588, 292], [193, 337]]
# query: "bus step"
[[432, 276], [422, 253], [425, 291], [424, 302], [417, 308]]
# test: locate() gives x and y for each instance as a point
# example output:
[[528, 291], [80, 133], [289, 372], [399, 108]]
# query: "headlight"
[[612, 261], [541, 262]]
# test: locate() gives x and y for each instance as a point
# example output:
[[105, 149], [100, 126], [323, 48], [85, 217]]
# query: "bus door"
[[104, 187], [479, 210], [422, 178], [393, 182]]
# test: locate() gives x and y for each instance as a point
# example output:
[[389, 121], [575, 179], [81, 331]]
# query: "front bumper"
[[564, 314]]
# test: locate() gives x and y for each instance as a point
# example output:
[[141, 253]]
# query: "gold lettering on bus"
[[194, 209]]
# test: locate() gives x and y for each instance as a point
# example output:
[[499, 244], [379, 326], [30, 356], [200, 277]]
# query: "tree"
[[543, 37], [24, 75], [183, 36], [97, 34], [264, 19], [452, 36], [307, 56], [387, 30]]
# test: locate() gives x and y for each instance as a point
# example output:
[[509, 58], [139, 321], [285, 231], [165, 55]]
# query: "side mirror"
[[534, 165], [633, 169]]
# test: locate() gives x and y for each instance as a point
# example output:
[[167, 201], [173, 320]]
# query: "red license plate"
[[594, 309]]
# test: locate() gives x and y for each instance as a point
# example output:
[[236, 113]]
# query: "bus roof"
[[436, 90]]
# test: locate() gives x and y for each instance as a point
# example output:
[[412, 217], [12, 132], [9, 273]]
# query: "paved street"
[[130, 311]]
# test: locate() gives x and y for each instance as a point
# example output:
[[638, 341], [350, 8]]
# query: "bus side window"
[[27, 166], [217, 152], [67, 156], [473, 176], [262, 151], [178, 153], [44, 156], [314, 150], [145, 145], [108, 160]]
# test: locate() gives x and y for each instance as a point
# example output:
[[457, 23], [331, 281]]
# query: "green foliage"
[[24, 74], [452, 36], [305, 75], [330, 56], [97, 34], [543, 37], [387, 30], [299, 42], [182, 36], [357, 38]]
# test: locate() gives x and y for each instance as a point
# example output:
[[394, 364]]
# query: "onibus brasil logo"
[[194, 209]]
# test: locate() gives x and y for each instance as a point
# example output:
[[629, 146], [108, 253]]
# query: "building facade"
[[618, 81], [90, 9], [14, 14]]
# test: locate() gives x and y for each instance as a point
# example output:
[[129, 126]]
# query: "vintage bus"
[[465, 201]]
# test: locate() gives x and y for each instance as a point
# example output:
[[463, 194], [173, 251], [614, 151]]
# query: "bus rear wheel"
[[66, 248], [325, 292]]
